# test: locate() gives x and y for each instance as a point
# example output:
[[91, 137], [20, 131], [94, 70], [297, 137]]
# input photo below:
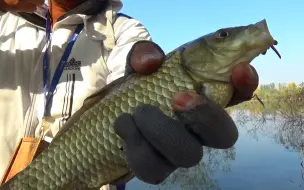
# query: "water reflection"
[[198, 177], [201, 176], [269, 154], [286, 115]]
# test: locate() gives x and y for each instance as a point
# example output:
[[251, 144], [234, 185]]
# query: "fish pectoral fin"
[[123, 179]]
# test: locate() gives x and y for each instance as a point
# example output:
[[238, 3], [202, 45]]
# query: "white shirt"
[[91, 67]]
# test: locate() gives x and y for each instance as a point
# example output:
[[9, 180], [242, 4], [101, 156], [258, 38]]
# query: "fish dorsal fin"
[[88, 103]]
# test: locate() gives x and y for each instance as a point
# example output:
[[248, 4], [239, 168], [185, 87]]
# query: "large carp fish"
[[86, 153]]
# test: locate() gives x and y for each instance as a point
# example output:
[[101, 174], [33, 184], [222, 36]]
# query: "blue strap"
[[49, 88]]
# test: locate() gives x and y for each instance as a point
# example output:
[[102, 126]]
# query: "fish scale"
[[91, 151]]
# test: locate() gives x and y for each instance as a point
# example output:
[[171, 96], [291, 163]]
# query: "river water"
[[267, 156]]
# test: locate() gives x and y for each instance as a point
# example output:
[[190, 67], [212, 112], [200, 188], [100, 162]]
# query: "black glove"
[[156, 145]]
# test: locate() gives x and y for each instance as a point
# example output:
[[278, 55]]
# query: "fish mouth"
[[244, 76], [266, 36], [259, 41]]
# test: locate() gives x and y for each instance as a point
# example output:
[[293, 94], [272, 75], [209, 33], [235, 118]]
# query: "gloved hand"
[[156, 145], [245, 80]]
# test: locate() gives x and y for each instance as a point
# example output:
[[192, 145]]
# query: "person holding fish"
[[54, 57]]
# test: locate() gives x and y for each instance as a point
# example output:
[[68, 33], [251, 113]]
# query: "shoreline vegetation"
[[280, 100]]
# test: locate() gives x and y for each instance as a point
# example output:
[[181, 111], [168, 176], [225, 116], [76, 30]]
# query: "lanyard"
[[49, 88]]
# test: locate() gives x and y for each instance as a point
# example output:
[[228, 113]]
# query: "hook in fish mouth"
[[274, 49]]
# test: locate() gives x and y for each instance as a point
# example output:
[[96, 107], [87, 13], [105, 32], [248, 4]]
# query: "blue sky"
[[174, 22]]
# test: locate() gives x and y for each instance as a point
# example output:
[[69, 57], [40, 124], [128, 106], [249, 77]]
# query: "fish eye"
[[223, 34]]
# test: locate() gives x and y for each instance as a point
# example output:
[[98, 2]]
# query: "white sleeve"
[[129, 32]]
